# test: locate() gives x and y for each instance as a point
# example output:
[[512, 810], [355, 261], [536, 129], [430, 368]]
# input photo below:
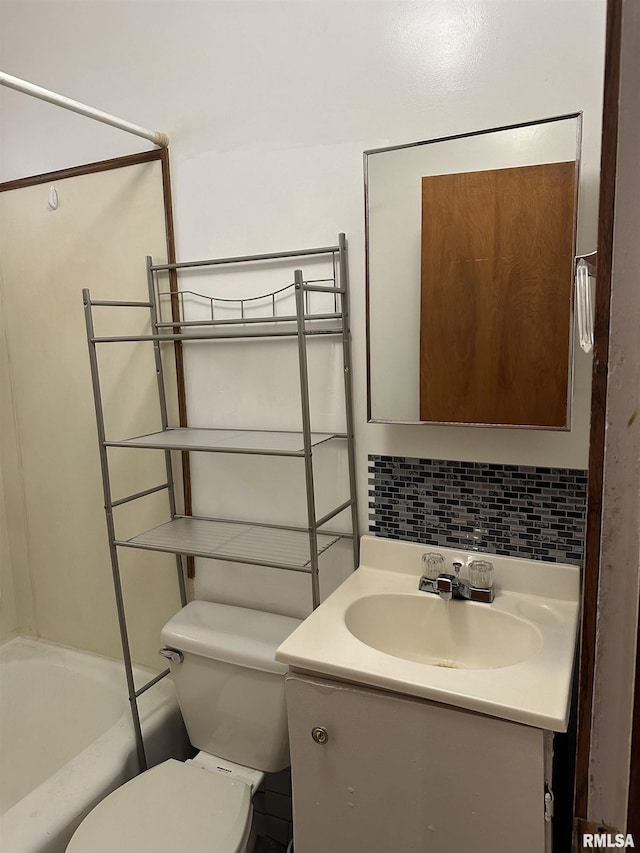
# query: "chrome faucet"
[[449, 586]]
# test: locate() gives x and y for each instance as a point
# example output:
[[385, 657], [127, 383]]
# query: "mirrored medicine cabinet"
[[470, 248]]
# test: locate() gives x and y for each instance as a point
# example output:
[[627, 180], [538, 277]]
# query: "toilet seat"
[[172, 807]]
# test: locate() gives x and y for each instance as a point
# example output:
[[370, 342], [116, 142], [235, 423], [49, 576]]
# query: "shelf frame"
[[303, 325]]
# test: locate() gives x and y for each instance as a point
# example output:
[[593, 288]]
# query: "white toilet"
[[231, 694]]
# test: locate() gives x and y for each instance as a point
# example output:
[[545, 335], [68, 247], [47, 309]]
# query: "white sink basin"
[[511, 659], [451, 634]]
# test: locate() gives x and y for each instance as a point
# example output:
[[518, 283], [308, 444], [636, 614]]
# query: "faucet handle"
[[432, 564], [481, 574]]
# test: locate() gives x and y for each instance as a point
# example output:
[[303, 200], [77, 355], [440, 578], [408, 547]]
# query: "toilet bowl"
[[231, 692]]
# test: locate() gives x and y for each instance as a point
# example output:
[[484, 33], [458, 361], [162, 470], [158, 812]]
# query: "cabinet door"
[[399, 775]]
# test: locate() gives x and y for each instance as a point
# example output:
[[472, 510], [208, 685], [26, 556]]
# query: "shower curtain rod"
[[159, 139]]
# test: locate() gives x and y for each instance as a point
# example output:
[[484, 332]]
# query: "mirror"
[[470, 245]]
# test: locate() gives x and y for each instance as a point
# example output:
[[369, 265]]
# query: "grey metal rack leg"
[[162, 397], [306, 435], [301, 291], [108, 508], [109, 505], [348, 394]]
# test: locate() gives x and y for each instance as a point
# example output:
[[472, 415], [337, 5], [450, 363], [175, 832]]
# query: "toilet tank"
[[229, 686]]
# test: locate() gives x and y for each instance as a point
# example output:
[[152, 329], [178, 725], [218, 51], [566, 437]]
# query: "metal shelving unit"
[[276, 546]]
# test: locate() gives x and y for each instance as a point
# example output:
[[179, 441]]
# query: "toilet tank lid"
[[235, 635]]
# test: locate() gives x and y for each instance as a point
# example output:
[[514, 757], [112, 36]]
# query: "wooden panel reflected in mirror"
[[496, 279], [470, 245]]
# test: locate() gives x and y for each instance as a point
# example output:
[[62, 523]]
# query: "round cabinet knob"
[[319, 734]]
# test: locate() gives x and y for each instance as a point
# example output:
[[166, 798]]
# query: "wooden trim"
[[86, 169], [179, 356], [598, 405]]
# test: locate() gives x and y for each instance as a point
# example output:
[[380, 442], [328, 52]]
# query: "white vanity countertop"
[[535, 691]]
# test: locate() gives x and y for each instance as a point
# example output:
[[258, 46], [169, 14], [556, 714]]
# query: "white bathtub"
[[66, 739]]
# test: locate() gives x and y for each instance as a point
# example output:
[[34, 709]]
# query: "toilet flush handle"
[[172, 654]]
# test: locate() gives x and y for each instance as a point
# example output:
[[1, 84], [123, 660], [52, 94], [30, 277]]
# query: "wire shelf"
[[264, 545], [264, 442]]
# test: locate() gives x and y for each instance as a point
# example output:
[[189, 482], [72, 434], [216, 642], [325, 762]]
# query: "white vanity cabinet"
[[377, 772]]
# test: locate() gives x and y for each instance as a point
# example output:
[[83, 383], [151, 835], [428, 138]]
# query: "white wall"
[[270, 105]]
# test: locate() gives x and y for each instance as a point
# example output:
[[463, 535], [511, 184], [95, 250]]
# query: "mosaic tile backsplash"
[[515, 510]]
